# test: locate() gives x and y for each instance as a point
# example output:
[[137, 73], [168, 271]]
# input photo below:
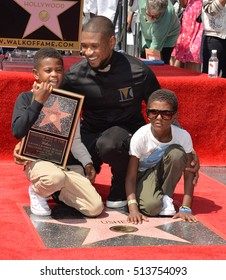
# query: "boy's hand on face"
[[42, 91]]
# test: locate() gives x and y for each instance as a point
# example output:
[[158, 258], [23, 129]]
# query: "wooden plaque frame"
[[51, 136]]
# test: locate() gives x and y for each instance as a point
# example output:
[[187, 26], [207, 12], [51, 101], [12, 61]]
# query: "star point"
[[53, 115]]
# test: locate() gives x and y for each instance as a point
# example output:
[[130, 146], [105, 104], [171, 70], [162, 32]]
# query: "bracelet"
[[132, 201], [185, 209]]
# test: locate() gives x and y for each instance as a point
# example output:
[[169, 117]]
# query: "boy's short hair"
[[164, 95], [46, 53]]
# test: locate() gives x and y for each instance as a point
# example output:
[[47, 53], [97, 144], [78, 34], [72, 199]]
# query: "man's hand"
[[90, 172], [18, 159], [195, 166]]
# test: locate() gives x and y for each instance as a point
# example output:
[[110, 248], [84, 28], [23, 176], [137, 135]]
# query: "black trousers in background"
[[214, 43], [111, 147]]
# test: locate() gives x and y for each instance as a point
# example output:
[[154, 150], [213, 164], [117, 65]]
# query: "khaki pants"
[[75, 189], [162, 179]]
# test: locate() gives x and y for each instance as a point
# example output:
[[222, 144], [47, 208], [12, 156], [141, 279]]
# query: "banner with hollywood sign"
[[41, 23]]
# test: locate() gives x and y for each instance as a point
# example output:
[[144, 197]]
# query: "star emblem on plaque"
[[54, 117]]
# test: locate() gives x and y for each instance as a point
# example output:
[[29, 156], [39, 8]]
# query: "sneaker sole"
[[40, 213], [116, 204]]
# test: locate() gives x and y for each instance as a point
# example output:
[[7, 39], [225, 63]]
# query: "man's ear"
[[35, 74], [112, 42]]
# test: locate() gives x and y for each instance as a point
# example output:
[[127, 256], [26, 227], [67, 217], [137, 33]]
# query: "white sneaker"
[[38, 204], [168, 207], [116, 204]]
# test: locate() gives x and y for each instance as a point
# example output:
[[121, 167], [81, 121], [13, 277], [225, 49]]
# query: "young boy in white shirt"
[[160, 153]]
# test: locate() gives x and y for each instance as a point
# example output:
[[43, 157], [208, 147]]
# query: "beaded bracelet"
[[132, 201], [185, 209]]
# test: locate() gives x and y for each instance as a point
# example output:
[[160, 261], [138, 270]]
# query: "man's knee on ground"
[[105, 145], [114, 140]]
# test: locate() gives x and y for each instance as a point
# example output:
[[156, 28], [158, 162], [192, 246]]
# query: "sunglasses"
[[165, 114]]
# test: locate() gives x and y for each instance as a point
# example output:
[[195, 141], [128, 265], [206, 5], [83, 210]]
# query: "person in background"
[[132, 15], [160, 152], [86, 11], [133, 29], [105, 8], [214, 23], [187, 51], [179, 6], [114, 85], [46, 177], [160, 27]]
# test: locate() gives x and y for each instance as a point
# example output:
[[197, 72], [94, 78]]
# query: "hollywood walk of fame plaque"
[[51, 136], [41, 23], [67, 228]]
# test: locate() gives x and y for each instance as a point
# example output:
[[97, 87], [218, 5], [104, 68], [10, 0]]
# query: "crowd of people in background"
[[181, 33], [184, 36]]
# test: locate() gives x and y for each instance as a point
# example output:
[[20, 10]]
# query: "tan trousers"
[[75, 189]]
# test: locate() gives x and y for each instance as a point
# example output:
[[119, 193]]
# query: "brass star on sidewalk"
[[53, 115], [45, 13]]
